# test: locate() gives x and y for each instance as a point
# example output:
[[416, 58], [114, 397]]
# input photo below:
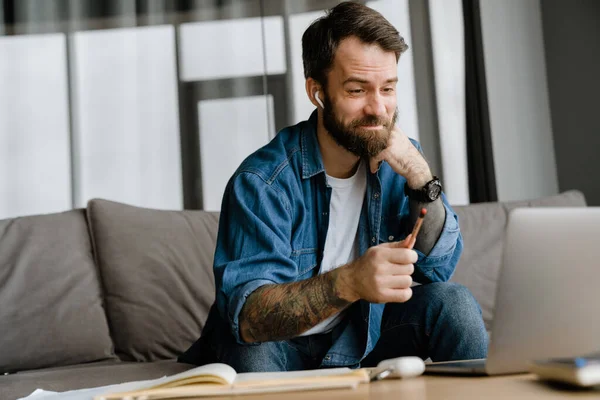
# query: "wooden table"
[[523, 386]]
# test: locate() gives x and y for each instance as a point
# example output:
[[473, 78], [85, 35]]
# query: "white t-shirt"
[[341, 243]]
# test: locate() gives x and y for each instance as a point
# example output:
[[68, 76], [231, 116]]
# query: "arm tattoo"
[[279, 312]]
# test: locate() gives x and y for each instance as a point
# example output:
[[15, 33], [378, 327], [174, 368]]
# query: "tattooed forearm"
[[278, 312]]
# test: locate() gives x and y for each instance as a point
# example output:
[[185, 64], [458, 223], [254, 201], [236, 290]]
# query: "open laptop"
[[548, 292]]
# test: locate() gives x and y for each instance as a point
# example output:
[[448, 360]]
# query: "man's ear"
[[313, 89]]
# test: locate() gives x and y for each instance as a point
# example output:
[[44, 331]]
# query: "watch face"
[[434, 191]]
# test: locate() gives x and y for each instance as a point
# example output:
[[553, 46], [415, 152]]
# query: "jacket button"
[[390, 238], [376, 195], [373, 239], [327, 357]]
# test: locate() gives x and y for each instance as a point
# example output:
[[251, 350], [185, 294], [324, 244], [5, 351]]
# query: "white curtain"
[[447, 37]]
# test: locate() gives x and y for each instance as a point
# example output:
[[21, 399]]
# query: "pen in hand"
[[412, 238]]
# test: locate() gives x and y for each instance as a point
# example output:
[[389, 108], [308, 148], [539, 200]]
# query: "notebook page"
[[250, 378], [209, 373]]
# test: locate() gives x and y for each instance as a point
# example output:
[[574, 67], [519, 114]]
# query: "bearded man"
[[314, 263]]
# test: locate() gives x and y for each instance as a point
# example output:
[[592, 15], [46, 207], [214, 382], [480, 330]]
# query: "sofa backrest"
[[156, 272], [51, 310], [156, 268], [483, 226]]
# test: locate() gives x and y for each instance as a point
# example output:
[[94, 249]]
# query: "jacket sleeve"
[[440, 263], [253, 245]]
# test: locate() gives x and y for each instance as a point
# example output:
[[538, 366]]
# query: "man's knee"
[[264, 357], [458, 330], [457, 302]]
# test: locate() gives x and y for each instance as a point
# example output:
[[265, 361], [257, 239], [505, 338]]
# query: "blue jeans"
[[441, 321]]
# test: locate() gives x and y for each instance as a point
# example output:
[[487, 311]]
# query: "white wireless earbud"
[[318, 100]]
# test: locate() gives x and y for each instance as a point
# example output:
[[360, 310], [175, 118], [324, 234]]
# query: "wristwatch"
[[428, 193]]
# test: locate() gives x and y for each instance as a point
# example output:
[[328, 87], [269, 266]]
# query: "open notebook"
[[222, 380]]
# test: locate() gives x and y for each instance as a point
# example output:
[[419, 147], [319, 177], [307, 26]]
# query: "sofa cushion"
[[483, 227], [156, 271], [50, 303], [84, 376]]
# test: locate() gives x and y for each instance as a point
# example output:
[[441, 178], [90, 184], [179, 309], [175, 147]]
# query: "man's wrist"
[[419, 179], [343, 284], [415, 169]]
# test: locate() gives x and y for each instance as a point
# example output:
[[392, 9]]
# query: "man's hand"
[[405, 159], [279, 312], [381, 275]]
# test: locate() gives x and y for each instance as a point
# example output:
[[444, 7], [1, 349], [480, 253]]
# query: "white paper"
[[222, 370], [37, 394], [89, 394], [265, 376]]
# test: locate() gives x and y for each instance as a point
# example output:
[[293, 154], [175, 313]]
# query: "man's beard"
[[361, 142]]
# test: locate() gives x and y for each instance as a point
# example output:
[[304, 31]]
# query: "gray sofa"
[[115, 293]]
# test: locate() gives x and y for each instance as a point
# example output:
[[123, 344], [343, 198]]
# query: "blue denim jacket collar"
[[312, 162]]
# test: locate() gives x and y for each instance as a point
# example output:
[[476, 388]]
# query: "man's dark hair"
[[323, 36]]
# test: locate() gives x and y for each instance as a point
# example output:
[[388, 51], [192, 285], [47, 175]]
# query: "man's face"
[[360, 99]]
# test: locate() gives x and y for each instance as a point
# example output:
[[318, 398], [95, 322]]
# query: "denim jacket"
[[273, 224]]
